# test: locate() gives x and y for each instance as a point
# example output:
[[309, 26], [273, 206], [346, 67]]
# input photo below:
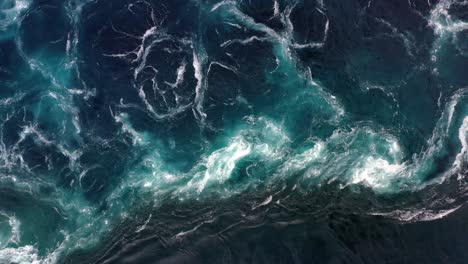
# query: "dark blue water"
[[237, 131]]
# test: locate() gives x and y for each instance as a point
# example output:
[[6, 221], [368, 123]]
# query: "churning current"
[[238, 131]]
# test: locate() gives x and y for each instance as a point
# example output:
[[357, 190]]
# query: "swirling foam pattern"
[[135, 131]]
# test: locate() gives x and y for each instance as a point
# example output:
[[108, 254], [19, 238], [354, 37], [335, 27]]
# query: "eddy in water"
[[263, 131]]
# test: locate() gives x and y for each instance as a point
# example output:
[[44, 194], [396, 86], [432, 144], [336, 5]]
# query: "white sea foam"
[[276, 9], [15, 229], [185, 233], [137, 138], [304, 160], [180, 75], [417, 215], [375, 172], [266, 202], [283, 42], [220, 4], [198, 64], [143, 227], [445, 26], [441, 20], [221, 163], [13, 14], [150, 38], [14, 224], [461, 158], [21, 255]]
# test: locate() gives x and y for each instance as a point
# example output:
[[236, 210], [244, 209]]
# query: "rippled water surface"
[[233, 131]]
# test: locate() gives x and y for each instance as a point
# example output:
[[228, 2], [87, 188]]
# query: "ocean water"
[[233, 131]]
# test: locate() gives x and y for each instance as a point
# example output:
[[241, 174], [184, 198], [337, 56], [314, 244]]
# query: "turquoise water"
[[152, 131]]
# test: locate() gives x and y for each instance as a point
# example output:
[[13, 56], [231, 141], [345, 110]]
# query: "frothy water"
[[120, 117]]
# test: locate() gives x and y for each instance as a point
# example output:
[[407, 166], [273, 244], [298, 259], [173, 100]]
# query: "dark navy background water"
[[237, 131]]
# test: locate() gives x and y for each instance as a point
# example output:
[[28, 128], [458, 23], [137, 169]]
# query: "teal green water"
[[125, 120]]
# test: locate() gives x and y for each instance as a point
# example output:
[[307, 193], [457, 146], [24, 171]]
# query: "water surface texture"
[[233, 131]]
